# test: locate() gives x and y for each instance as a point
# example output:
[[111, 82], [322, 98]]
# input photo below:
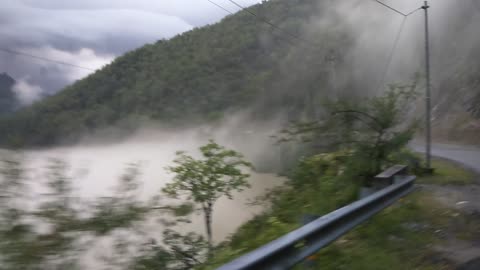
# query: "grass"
[[467, 227], [398, 238], [448, 173]]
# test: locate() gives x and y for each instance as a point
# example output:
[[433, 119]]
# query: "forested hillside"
[[197, 75], [242, 63]]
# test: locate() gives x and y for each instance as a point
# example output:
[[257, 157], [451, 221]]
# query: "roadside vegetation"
[[368, 139], [57, 228], [447, 172], [401, 237], [362, 140]]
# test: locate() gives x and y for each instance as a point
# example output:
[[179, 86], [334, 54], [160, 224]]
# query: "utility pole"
[[428, 139], [428, 100]]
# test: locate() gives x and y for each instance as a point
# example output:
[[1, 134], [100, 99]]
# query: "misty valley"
[[239, 134], [95, 171]]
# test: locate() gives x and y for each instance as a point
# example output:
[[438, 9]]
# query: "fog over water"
[[97, 163], [97, 167]]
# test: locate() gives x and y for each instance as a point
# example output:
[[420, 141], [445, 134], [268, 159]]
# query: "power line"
[[287, 40], [392, 52], [397, 39], [396, 10], [413, 11], [44, 59], [219, 6], [391, 8], [262, 19]]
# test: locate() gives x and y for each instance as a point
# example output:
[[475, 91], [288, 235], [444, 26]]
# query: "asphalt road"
[[467, 155]]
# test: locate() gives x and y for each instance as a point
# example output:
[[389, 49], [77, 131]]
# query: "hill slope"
[[197, 75], [242, 63]]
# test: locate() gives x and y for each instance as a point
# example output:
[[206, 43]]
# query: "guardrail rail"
[[292, 248]]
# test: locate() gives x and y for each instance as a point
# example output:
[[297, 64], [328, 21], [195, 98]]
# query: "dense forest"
[[197, 75], [238, 64]]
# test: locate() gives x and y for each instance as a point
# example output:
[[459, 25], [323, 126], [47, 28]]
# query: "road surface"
[[467, 155]]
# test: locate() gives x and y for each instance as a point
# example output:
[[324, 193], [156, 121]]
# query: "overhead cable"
[[274, 26], [392, 53], [396, 10], [219, 6], [44, 59], [285, 39], [395, 43]]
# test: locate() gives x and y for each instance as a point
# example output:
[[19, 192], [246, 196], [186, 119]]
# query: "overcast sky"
[[88, 33], [91, 33]]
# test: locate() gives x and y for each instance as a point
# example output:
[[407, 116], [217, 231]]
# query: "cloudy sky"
[[91, 33], [88, 33]]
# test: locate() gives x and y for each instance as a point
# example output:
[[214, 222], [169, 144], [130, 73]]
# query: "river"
[[96, 167]]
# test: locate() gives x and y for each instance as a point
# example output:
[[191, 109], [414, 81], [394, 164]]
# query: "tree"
[[373, 130], [186, 251], [178, 252], [55, 230], [219, 173], [71, 226]]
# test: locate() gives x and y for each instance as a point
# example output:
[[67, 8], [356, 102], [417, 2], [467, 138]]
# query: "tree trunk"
[[207, 209]]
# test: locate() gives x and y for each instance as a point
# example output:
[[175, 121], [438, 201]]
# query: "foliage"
[[56, 228], [373, 130], [187, 250], [205, 180], [179, 252], [317, 186], [399, 238], [196, 76], [152, 256], [448, 173]]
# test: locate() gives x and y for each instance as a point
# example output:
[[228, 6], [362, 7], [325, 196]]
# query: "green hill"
[[198, 75], [240, 63]]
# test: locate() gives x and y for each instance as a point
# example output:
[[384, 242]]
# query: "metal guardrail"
[[292, 248]]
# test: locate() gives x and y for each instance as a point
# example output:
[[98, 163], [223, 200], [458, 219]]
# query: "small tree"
[[206, 180], [374, 129]]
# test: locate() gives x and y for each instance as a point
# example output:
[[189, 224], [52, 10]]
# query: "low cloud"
[[90, 33], [27, 93], [85, 58]]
